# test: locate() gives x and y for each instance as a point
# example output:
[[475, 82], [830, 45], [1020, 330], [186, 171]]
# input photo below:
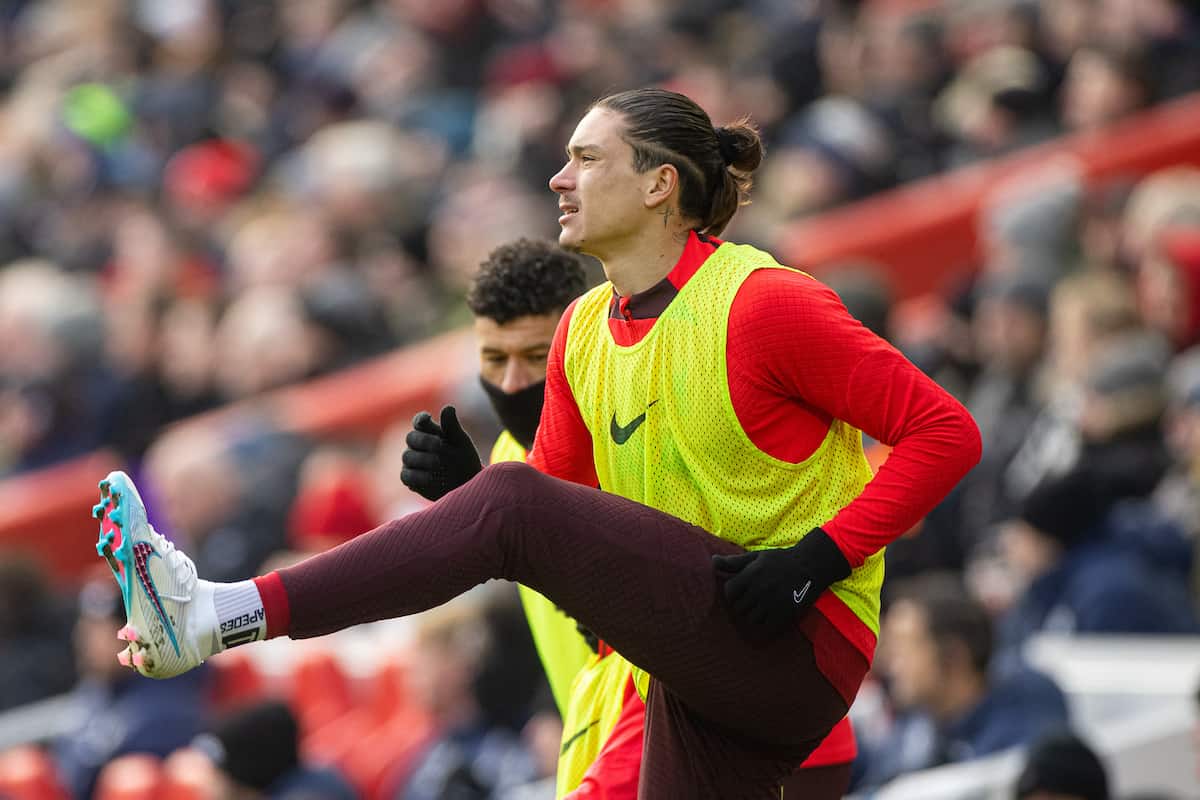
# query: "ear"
[[660, 185]]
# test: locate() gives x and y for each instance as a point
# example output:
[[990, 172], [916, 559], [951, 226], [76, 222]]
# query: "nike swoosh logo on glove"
[[798, 596]]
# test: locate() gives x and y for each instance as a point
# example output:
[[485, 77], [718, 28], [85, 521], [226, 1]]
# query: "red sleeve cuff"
[[275, 604]]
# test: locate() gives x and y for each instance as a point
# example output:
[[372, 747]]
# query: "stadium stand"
[[234, 238]]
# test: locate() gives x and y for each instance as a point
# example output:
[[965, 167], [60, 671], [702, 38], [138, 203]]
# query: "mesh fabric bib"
[[664, 431]]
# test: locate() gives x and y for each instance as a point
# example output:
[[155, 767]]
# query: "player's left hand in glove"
[[439, 458], [766, 590]]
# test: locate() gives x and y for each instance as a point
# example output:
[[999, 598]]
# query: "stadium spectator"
[[996, 104], [36, 661], [472, 754], [1079, 576], [1159, 201], [263, 342], [951, 705], [117, 715], [1164, 29], [1121, 412], [1062, 767], [1089, 313], [55, 391], [1168, 284], [1100, 225], [906, 65], [1103, 84], [1010, 333], [256, 752], [1177, 496], [332, 503], [1030, 223], [249, 471]]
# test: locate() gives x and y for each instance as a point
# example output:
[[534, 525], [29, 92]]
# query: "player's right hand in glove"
[[439, 458]]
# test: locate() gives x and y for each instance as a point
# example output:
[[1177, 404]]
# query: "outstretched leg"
[[641, 579]]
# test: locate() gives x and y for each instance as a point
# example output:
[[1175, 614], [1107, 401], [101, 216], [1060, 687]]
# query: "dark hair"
[[254, 745], [714, 164], [1061, 763], [951, 615], [1068, 508], [24, 595], [523, 278]]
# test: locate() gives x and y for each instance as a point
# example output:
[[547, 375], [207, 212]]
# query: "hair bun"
[[727, 143]]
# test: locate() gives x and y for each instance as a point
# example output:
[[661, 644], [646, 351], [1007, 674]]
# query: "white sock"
[[231, 613]]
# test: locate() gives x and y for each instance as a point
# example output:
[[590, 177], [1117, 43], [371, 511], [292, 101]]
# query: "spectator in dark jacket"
[[256, 750], [119, 712], [1081, 578], [1009, 326], [1120, 421], [936, 652], [35, 644], [474, 754]]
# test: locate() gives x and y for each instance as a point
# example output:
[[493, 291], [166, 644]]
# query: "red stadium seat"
[[236, 681], [377, 739], [320, 692], [387, 693], [27, 773], [133, 777], [384, 755], [189, 775]]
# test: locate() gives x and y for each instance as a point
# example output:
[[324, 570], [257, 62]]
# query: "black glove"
[[768, 589], [439, 459]]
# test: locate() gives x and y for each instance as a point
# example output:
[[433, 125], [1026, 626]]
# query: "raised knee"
[[511, 480]]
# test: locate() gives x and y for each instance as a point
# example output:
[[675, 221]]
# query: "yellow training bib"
[[664, 431]]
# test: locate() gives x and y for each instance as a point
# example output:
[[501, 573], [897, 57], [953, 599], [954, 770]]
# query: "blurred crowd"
[[1076, 347], [201, 201]]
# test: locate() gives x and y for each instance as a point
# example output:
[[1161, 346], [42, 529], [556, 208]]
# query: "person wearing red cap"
[[1168, 286]]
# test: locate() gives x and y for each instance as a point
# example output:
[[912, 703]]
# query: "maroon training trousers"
[[725, 717]]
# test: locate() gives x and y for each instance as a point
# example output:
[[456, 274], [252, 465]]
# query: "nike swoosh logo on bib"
[[574, 738], [621, 433]]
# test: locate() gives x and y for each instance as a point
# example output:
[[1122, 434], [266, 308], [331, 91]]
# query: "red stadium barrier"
[[923, 233], [46, 514]]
